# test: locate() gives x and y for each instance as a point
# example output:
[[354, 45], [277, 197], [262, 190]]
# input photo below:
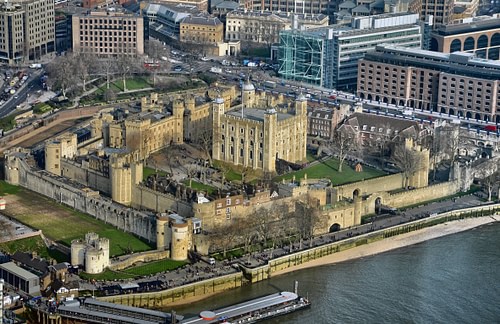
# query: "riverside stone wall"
[[294, 259], [163, 298]]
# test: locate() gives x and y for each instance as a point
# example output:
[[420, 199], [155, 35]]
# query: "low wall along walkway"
[[201, 289], [160, 299], [298, 258]]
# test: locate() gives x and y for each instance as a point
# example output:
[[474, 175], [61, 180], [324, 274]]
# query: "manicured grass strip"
[[106, 275], [146, 172], [6, 188], [329, 170], [62, 224], [200, 186], [33, 244]]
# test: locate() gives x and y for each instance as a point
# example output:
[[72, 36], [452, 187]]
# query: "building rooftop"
[[278, 14], [459, 63], [257, 114], [205, 21], [20, 272], [476, 25]]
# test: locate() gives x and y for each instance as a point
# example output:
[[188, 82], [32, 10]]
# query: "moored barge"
[[254, 310]]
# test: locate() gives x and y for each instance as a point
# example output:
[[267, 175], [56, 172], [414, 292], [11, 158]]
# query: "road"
[[21, 95]]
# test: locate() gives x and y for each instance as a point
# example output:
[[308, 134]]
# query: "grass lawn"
[[132, 83], [6, 188], [33, 244], [63, 224], [310, 157], [146, 172], [200, 186], [329, 170], [106, 275]]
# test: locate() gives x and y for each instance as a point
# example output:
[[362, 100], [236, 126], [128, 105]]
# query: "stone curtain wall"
[[163, 298], [144, 197], [366, 187], [72, 194]]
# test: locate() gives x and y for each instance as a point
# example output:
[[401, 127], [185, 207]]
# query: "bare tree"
[[224, 236], [6, 229], [247, 230], [61, 73], [109, 69], [157, 54], [109, 95], [408, 161], [307, 218], [263, 219], [84, 67], [451, 141], [344, 142], [126, 66], [205, 143]]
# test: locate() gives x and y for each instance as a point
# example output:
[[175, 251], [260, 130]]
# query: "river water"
[[452, 279]]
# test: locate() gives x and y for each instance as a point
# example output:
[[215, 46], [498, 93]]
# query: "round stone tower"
[[180, 241], [77, 252], [248, 95], [161, 228]]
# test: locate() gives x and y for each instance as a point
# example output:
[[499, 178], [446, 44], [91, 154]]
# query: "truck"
[[35, 66], [270, 84]]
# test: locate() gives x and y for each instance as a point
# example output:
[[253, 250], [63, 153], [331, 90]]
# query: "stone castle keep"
[[92, 253], [102, 174]]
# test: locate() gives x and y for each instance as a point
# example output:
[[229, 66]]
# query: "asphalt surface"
[[21, 95]]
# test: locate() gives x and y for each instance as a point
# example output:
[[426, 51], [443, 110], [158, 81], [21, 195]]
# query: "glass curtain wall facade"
[[328, 57], [301, 57]]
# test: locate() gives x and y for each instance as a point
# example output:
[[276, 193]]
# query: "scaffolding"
[[301, 57]]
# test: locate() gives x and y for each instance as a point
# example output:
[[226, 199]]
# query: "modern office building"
[[106, 33], [26, 30], [296, 6], [328, 57], [165, 19], [458, 84], [440, 10], [480, 35], [263, 27]]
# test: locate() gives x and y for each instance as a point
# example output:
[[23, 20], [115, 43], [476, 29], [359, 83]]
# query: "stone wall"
[[294, 259], [83, 199], [367, 187], [129, 260], [163, 298], [144, 197], [91, 178], [415, 196]]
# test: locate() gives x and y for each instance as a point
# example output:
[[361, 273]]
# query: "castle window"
[[241, 152], [219, 211], [219, 205], [242, 130], [228, 202]]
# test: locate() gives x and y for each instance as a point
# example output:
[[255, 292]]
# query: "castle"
[[256, 137], [78, 170], [92, 253]]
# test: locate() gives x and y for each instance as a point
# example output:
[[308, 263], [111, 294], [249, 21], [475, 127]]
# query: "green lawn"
[[200, 186], [106, 275], [62, 224], [232, 175], [329, 170], [133, 83], [6, 188], [310, 157], [146, 172], [33, 244]]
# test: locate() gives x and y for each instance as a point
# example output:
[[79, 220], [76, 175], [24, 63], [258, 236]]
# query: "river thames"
[[452, 279]]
